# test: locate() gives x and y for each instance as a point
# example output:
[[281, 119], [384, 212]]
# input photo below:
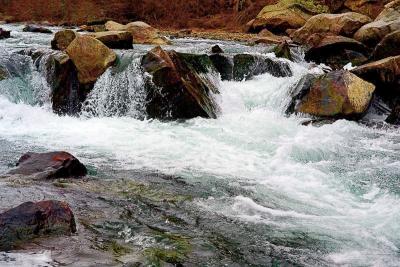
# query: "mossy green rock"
[[287, 14], [338, 94]]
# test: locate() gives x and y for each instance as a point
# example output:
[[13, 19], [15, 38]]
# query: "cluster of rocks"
[[363, 33], [44, 218]]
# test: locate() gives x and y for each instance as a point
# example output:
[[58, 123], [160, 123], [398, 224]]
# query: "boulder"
[[338, 94], [267, 37], [31, 220], [93, 28], [246, 66], [63, 39], [31, 28], [388, 47], [181, 86], [50, 165], [142, 32], [224, 66], [90, 57], [287, 14], [4, 34], [345, 24], [370, 8], [335, 51], [387, 22], [67, 93], [115, 39], [384, 73]]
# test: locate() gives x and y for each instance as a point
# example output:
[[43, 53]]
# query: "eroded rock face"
[[49, 165], [388, 47], [338, 94], [31, 220], [345, 24], [142, 32], [335, 51], [387, 22], [115, 39], [247, 66], [63, 39], [90, 57], [180, 87], [286, 14]]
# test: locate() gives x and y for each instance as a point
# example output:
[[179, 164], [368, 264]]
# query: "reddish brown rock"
[[63, 39], [50, 165], [388, 47], [114, 39], [31, 220]]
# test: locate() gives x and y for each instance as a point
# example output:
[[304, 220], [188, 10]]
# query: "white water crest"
[[335, 186]]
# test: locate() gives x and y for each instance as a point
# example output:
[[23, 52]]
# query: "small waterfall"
[[119, 91], [25, 77]]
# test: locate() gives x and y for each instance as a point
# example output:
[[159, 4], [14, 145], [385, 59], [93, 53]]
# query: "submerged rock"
[[50, 165], [180, 87], [394, 117], [4, 34], [31, 220], [286, 14], [63, 39], [216, 49], [338, 94], [282, 50], [247, 66], [115, 39], [90, 57], [31, 28]]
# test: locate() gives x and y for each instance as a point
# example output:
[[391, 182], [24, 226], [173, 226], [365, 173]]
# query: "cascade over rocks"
[[247, 66], [63, 39], [180, 87], [31, 220], [335, 51], [286, 14], [282, 50], [115, 39], [345, 24], [90, 57], [31, 28], [388, 21], [338, 94], [388, 47], [142, 32], [50, 165], [224, 65]]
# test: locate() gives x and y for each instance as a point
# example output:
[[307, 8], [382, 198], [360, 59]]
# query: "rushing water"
[[324, 195]]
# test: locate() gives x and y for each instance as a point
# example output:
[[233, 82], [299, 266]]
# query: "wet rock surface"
[[247, 66], [50, 165], [32, 220], [37, 29], [180, 87]]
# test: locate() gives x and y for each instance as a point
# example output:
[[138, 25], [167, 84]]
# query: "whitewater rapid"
[[332, 191]]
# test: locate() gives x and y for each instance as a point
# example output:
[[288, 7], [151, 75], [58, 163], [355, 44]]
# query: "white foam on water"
[[42, 259]]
